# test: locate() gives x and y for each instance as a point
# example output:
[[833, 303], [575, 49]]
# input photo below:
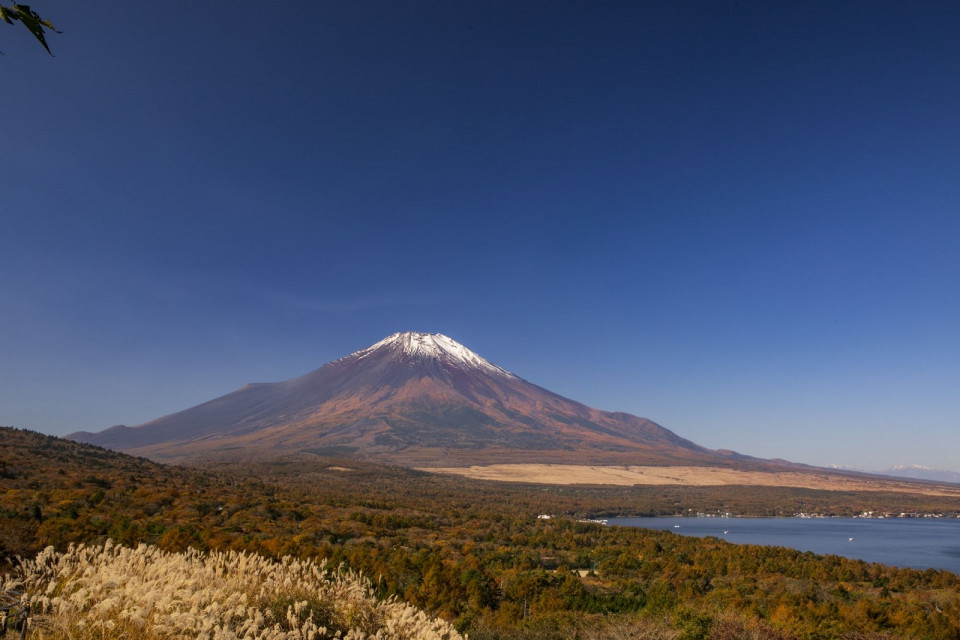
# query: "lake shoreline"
[[914, 543]]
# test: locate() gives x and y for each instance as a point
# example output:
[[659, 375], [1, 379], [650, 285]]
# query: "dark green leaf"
[[31, 21]]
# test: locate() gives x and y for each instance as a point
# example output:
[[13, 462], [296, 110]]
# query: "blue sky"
[[739, 220]]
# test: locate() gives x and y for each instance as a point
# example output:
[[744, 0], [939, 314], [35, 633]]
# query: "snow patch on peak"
[[433, 345]]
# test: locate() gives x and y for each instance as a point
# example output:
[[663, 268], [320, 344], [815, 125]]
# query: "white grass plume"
[[113, 591]]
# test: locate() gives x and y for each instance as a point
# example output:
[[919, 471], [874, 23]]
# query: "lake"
[[918, 543]]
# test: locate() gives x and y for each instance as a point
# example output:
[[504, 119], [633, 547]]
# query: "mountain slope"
[[410, 398]]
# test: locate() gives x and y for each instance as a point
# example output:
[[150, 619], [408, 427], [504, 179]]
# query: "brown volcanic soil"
[[422, 400], [564, 474], [433, 407]]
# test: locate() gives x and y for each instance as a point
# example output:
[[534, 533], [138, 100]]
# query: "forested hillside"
[[475, 553]]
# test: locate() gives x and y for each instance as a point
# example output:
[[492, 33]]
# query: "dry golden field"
[[567, 474]]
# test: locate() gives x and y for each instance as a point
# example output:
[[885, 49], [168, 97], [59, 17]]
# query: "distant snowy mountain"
[[912, 471], [412, 398], [922, 473]]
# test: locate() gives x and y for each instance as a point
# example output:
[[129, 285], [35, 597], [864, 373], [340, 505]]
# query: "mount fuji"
[[412, 398]]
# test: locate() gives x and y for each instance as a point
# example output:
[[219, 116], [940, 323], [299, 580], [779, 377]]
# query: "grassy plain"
[[567, 474]]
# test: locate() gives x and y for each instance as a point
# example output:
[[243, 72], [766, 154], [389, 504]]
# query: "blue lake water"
[[918, 543]]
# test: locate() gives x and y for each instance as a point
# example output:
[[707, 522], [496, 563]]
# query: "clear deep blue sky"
[[738, 219]]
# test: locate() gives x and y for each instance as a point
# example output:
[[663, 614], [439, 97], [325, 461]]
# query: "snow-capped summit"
[[414, 344]]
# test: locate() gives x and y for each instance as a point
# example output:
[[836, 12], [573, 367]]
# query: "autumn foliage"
[[474, 553]]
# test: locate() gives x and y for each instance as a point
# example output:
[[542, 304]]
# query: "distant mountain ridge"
[[411, 398], [919, 472], [909, 471]]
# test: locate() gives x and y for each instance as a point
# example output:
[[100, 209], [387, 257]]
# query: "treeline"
[[475, 552]]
